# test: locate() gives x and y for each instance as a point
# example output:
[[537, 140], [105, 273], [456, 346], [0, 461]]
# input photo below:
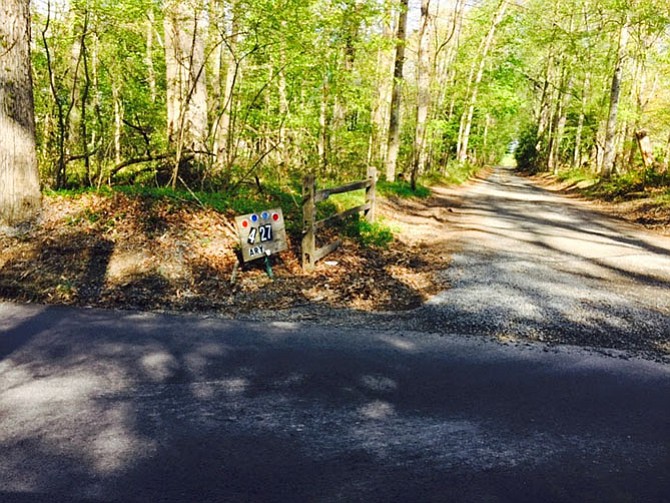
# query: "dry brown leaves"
[[135, 253]]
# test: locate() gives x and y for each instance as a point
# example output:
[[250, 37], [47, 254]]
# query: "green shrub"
[[526, 153], [402, 189], [375, 235], [577, 175], [459, 173]]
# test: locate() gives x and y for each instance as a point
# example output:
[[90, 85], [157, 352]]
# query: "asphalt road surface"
[[120, 406]]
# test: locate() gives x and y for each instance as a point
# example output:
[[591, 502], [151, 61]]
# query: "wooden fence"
[[310, 197]]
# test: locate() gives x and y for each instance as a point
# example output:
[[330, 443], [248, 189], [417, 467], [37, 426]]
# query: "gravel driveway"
[[532, 265], [537, 265]]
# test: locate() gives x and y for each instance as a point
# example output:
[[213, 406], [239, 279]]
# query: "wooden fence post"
[[309, 220], [370, 194]]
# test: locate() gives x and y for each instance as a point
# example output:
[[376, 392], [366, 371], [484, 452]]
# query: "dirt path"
[[530, 265], [538, 266]]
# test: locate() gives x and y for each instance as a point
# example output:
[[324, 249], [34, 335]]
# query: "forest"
[[218, 95]]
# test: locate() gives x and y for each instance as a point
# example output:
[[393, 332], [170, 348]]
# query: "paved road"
[[117, 406], [101, 406]]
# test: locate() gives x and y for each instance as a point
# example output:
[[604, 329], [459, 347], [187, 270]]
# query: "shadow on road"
[[99, 406]]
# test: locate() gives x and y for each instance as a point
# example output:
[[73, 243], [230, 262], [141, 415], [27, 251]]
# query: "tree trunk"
[[118, 122], [85, 90], [284, 109], [484, 50], [559, 121], [20, 198], [322, 143], [380, 110], [577, 157], [646, 149], [609, 155], [224, 132], [423, 95], [186, 87], [394, 119], [148, 57]]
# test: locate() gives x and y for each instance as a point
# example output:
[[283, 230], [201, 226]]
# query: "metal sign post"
[[262, 235]]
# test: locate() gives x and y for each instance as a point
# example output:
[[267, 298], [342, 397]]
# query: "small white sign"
[[261, 234]]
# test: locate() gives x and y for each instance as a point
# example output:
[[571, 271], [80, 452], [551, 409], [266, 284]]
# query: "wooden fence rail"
[[310, 196]]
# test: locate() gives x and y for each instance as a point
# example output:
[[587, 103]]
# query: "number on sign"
[[252, 235], [266, 233]]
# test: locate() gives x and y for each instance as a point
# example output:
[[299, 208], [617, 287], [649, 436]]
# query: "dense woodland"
[[218, 94]]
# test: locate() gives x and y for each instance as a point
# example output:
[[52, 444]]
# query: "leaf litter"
[[132, 252]]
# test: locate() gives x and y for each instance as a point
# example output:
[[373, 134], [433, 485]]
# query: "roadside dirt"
[[637, 208], [134, 253], [165, 255]]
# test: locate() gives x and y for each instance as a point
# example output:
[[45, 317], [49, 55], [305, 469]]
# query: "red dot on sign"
[[245, 223], [275, 216]]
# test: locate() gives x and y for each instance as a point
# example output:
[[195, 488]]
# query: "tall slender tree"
[[615, 97], [423, 93], [394, 120], [476, 79], [186, 85]]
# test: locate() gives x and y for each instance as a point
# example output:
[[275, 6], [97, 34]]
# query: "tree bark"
[[559, 121], [577, 157], [323, 140], [646, 149], [223, 130], [186, 86], [394, 120], [284, 109], [484, 50], [20, 198], [423, 94], [380, 110], [609, 155], [148, 57]]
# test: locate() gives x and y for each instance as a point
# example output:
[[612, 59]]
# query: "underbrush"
[[455, 174], [575, 176], [642, 183], [253, 198], [630, 185], [246, 200], [402, 189]]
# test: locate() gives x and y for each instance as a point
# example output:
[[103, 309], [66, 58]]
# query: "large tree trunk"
[[20, 197], [394, 120], [186, 86]]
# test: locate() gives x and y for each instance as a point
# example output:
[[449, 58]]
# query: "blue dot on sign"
[[265, 215], [254, 218]]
